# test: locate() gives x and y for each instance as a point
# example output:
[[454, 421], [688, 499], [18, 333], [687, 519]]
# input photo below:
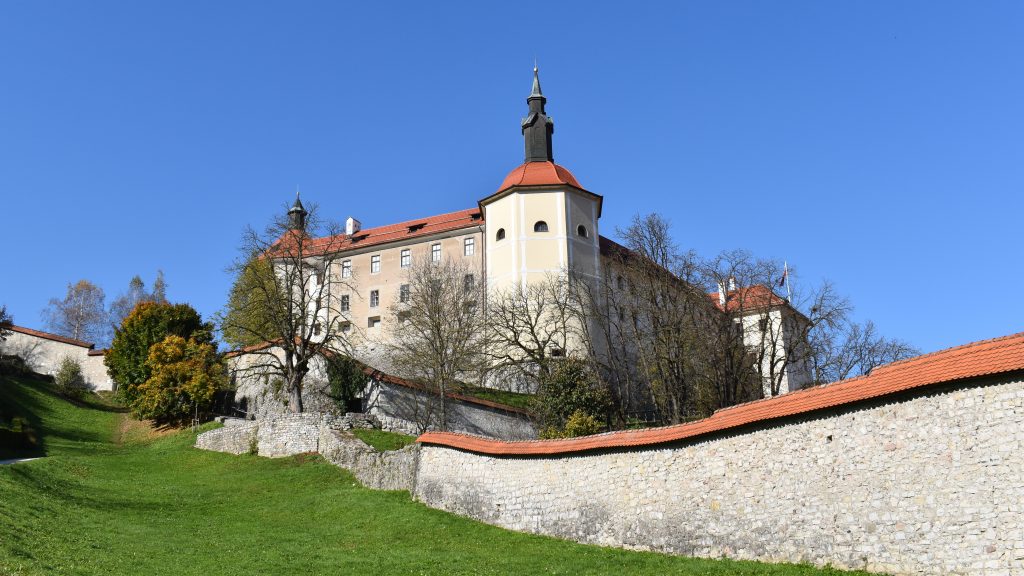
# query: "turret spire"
[[297, 214], [537, 127]]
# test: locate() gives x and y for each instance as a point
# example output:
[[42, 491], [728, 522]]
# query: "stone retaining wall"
[[924, 484], [329, 435], [407, 410], [236, 437]]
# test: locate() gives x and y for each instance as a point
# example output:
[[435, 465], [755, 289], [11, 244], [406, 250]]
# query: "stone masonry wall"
[[290, 434], [402, 409], [236, 437], [930, 484]]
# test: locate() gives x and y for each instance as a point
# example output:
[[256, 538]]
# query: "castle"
[[540, 221]]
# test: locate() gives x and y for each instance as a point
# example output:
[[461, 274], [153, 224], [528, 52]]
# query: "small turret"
[[537, 127], [297, 215]]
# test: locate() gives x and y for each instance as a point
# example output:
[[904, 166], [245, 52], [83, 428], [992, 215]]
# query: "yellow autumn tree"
[[184, 375]]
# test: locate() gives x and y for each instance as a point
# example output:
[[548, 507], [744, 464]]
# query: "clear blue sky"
[[876, 144]]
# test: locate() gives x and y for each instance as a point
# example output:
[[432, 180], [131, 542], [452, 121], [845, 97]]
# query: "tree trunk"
[[295, 393]]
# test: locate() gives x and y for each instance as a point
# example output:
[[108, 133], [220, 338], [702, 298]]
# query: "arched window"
[[540, 226], [500, 235], [581, 230]]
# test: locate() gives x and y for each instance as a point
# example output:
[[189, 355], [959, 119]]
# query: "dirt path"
[[132, 430], [16, 460]]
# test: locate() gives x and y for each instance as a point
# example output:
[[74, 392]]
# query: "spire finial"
[[535, 92]]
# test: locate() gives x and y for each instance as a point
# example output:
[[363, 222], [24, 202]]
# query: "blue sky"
[[875, 144]]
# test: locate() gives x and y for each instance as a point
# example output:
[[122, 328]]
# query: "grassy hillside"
[[114, 497]]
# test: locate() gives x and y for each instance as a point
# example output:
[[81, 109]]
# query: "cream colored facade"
[[372, 294], [519, 253]]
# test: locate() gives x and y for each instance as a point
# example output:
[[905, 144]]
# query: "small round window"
[[581, 230], [540, 226], [500, 235]]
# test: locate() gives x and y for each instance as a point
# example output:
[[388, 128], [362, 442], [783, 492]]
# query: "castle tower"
[[540, 221], [297, 215]]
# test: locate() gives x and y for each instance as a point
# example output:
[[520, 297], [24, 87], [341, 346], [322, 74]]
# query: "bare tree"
[[290, 298], [80, 314], [528, 327], [856, 350], [438, 336], [123, 305]]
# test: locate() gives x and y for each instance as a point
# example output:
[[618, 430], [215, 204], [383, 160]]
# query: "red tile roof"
[[539, 174], [49, 336], [399, 232], [988, 357], [748, 298]]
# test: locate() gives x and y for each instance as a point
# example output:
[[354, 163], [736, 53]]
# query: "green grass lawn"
[[383, 440], [113, 497]]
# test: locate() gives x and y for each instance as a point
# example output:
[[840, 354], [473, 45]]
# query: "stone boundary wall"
[[402, 408], [924, 482], [43, 353], [329, 435]]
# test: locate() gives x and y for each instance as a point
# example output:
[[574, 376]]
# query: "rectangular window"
[[406, 258], [374, 298], [346, 327], [468, 283], [346, 268], [403, 317], [435, 253], [316, 329], [320, 276], [344, 303], [403, 293], [373, 322], [375, 264], [469, 246]]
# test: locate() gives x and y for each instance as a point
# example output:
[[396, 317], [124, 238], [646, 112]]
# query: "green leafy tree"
[[6, 321], [184, 376], [69, 379], [254, 303], [570, 402], [347, 380], [147, 324]]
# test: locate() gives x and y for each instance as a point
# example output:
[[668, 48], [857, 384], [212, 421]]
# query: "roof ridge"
[[52, 336]]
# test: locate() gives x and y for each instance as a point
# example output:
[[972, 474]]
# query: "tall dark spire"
[[297, 215], [537, 127]]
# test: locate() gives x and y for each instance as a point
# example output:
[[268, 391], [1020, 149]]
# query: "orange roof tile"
[[748, 298], [1000, 355], [49, 336], [539, 174], [399, 232]]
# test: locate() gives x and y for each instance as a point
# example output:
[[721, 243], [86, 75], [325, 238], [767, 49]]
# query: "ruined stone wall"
[[926, 484]]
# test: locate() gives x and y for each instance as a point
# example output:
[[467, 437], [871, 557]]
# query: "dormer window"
[[500, 235], [581, 230], [540, 226]]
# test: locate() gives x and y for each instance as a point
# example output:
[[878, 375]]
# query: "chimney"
[[732, 283], [352, 226], [721, 294]]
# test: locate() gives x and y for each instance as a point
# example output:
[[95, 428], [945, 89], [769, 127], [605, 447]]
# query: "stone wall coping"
[[984, 358]]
